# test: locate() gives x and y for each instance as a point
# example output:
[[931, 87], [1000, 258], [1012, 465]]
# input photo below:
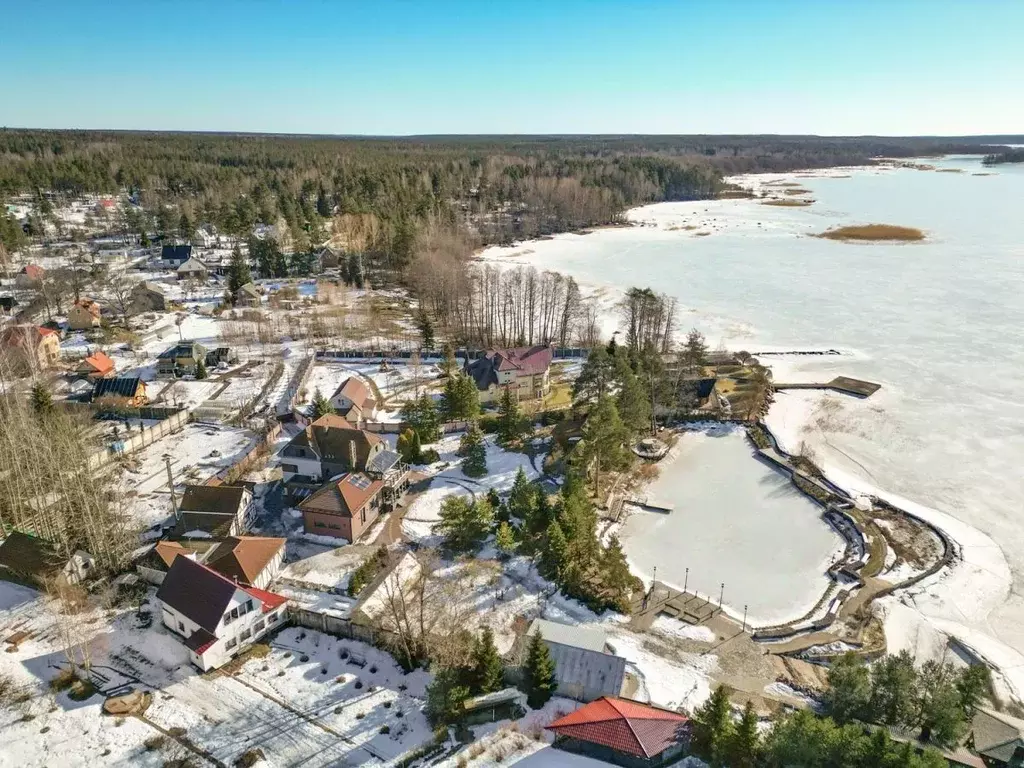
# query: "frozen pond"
[[735, 521]]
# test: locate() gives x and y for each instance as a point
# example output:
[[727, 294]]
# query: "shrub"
[[359, 684], [385, 729], [304, 658], [64, 680], [360, 715], [154, 743], [249, 758]]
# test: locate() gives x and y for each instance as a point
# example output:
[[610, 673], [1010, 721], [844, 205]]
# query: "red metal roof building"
[[624, 732]]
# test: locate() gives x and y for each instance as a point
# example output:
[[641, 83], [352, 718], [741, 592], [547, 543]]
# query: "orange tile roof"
[[345, 496], [100, 362], [625, 726], [244, 557]]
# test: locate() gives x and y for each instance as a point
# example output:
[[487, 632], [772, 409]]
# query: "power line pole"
[[170, 485]]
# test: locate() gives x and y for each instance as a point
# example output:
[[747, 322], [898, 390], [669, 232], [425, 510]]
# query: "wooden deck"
[[842, 384]]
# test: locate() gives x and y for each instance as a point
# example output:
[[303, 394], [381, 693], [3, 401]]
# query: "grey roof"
[[177, 253], [575, 636], [121, 386], [382, 462]]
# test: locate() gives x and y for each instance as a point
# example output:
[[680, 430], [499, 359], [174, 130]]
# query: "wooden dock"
[[842, 384], [645, 502]]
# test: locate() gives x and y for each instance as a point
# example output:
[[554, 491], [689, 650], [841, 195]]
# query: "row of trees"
[[800, 740], [936, 699]]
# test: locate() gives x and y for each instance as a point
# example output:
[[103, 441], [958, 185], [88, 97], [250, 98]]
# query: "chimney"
[[352, 455]]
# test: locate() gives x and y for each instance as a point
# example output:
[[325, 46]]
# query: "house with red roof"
[[624, 732], [29, 348], [524, 370], [216, 617], [30, 276], [96, 366], [353, 401]]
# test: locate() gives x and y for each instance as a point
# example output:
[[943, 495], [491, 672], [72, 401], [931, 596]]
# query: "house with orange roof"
[[29, 348], [353, 401], [96, 366], [216, 617], [84, 315], [624, 732]]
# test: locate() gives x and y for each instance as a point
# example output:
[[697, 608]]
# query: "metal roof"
[[572, 635]]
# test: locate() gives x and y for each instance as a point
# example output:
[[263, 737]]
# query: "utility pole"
[[744, 618], [686, 580], [170, 485], [721, 596]]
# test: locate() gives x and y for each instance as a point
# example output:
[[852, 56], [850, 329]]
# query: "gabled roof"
[[251, 289], [197, 592], [243, 558], [30, 555], [524, 360], [98, 362], [33, 271], [995, 734], [119, 386], [152, 287], [331, 437], [192, 265], [192, 349], [270, 600], [624, 725], [90, 306], [166, 551], [356, 390], [344, 497], [18, 335], [212, 499]]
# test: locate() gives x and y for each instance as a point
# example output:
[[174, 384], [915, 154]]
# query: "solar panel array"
[[362, 482]]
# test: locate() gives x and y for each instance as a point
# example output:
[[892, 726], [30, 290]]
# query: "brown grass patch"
[[796, 191], [874, 233], [702, 234], [950, 170], [787, 203]]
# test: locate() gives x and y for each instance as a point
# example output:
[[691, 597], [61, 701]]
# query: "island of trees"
[[1009, 156]]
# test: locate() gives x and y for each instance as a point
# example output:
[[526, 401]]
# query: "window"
[[335, 527], [245, 635], [362, 514], [290, 468], [259, 625], [230, 644], [248, 606], [319, 524], [181, 627]]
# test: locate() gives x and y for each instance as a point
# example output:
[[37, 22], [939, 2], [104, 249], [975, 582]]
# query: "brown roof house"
[[252, 561], [345, 507], [248, 296], [354, 401], [29, 348], [215, 510], [96, 366], [216, 617], [84, 315], [32, 560], [327, 447], [524, 370]]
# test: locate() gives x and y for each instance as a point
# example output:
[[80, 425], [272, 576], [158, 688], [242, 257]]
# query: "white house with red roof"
[[524, 370], [217, 617]]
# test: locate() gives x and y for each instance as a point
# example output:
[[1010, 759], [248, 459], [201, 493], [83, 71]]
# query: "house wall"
[[300, 466], [81, 319], [323, 524], [152, 575], [269, 573], [232, 636]]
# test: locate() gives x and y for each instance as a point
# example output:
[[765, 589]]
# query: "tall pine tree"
[[540, 673], [321, 405], [510, 419], [472, 447], [487, 671]]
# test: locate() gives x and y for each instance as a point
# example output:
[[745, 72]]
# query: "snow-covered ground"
[[936, 439]]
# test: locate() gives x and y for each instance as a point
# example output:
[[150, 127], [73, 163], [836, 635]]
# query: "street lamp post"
[[744, 618], [721, 596], [686, 579]]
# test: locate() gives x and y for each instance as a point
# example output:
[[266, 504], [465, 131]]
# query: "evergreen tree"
[[894, 691], [941, 715], [42, 400], [448, 362], [426, 329], [849, 691], [713, 728], [539, 673], [510, 419], [201, 372], [472, 447], [238, 271], [421, 415], [603, 438], [694, 352], [408, 446], [553, 555], [321, 405], [975, 681], [486, 670], [617, 581], [464, 524], [460, 400], [596, 377], [521, 498], [445, 697], [542, 514], [633, 403], [505, 540], [185, 227], [743, 747]]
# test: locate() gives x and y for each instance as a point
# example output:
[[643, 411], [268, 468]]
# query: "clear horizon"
[[789, 67]]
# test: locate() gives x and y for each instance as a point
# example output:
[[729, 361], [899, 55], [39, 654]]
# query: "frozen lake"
[[939, 324], [736, 521]]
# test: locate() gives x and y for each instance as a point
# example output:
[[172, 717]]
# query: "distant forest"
[[1010, 156], [401, 192]]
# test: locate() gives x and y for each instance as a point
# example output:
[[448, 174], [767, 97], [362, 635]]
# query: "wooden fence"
[[136, 442]]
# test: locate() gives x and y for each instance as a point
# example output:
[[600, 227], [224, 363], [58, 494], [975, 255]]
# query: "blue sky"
[[726, 66]]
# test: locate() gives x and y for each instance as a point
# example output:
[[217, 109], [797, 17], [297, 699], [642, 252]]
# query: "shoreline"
[[962, 599]]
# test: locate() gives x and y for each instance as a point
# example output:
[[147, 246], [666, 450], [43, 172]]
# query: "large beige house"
[[524, 370], [29, 348]]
